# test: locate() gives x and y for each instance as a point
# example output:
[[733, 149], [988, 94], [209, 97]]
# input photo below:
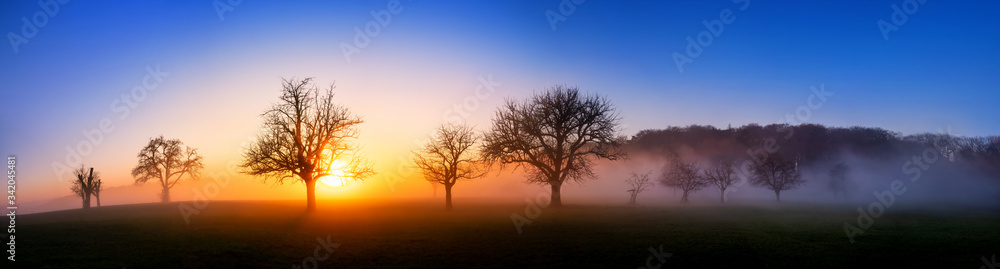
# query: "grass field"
[[418, 233]]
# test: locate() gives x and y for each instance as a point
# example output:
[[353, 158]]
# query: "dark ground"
[[418, 233]]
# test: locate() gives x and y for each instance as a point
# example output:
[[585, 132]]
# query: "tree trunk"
[[98, 196], [777, 195], [556, 200], [447, 196], [165, 195], [684, 198], [86, 201], [722, 195], [310, 195]]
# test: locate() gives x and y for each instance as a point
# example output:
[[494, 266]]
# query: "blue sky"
[[940, 69]]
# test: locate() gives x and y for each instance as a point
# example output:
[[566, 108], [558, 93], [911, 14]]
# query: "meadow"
[[418, 233]]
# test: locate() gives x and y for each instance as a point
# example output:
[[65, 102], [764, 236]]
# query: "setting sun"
[[337, 177]]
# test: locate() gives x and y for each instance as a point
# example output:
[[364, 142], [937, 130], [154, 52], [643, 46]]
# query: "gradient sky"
[[940, 69]]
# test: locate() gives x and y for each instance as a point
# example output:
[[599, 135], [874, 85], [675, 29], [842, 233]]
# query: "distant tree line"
[[773, 156]]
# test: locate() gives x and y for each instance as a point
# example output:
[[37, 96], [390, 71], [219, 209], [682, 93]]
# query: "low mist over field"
[[936, 169]]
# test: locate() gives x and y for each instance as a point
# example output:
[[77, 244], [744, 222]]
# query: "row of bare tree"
[[554, 136], [163, 160], [773, 173], [302, 136], [814, 150]]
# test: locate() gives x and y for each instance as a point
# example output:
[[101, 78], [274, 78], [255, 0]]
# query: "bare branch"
[[555, 136], [165, 161], [683, 176], [302, 136]]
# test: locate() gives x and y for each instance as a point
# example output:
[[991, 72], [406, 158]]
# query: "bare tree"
[[839, 182], [639, 184], [776, 174], [167, 161], [449, 157], [98, 187], [555, 136], [303, 135], [722, 174], [85, 184], [683, 176]]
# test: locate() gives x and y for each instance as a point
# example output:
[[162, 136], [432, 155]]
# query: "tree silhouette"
[[683, 176], [812, 147], [639, 184], [98, 187], [776, 174], [449, 157], [167, 161], [303, 135], [85, 184], [555, 136], [722, 174]]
